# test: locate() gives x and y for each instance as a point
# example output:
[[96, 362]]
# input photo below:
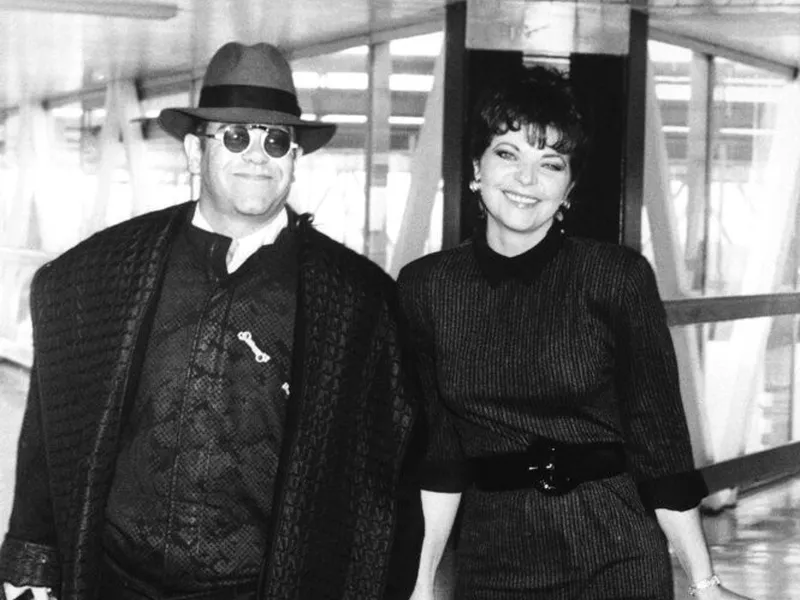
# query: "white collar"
[[244, 247]]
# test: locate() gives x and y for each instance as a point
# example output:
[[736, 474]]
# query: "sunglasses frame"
[[220, 135]]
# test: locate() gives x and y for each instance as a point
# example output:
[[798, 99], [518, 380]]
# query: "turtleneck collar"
[[524, 267]]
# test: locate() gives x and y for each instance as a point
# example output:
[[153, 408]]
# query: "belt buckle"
[[548, 471]]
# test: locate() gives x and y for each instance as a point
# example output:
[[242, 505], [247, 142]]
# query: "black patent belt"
[[549, 466]]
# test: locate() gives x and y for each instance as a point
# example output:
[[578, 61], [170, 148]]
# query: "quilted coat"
[[347, 522]]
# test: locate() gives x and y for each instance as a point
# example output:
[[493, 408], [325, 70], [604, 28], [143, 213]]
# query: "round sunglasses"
[[276, 142]]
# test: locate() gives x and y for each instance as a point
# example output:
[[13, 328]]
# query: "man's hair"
[[534, 99]]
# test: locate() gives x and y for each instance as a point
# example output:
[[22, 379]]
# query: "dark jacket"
[[346, 523]]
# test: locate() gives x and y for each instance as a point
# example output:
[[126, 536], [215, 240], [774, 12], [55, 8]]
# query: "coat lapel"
[[90, 324], [347, 424]]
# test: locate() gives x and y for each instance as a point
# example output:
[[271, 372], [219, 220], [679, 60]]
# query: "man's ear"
[[194, 152]]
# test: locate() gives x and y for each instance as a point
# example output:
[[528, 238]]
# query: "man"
[[217, 408]]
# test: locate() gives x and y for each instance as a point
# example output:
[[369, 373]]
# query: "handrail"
[[753, 470], [690, 311]]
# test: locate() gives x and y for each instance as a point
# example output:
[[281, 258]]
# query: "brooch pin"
[[247, 338]]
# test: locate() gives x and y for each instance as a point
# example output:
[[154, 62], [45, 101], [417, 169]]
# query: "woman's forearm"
[[684, 531], [439, 510]]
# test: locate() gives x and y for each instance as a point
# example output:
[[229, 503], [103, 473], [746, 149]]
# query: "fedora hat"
[[248, 84]]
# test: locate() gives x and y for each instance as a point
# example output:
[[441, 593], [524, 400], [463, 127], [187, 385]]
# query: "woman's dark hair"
[[535, 99]]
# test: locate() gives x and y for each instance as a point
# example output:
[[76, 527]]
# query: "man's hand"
[[13, 592]]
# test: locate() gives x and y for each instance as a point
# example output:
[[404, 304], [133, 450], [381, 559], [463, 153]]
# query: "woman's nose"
[[526, 174]]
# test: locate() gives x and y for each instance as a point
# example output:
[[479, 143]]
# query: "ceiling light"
[[107, 8]]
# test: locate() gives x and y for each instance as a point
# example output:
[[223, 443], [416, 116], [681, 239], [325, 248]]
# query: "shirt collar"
[[244, 247]]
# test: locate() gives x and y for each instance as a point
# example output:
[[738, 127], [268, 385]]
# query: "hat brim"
[[310, 136]]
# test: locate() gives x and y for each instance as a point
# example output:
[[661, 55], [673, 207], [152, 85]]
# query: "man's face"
[[243, 186]]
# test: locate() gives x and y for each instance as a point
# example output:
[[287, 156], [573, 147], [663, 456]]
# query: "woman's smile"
[[521, 200]]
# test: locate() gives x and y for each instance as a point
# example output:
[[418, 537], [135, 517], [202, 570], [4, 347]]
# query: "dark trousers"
[[116, 584]]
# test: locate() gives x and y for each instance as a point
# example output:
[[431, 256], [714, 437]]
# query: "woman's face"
[[522, 187]]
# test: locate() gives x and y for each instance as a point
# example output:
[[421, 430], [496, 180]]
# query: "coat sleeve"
[[657, 437], [409, 524], [444, 467], [28, 555]]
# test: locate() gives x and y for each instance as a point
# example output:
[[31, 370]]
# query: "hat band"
[[249, 96]]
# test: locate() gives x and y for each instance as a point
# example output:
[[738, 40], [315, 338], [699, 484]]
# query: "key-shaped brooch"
[[247, 338]]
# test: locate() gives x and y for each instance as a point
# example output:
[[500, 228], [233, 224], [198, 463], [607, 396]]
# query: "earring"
[[474, 185], [565, 204]]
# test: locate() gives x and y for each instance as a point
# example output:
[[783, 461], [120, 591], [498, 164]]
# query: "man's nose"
[[255, 151]]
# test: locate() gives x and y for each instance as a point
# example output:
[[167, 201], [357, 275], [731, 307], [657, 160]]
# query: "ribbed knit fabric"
[[191, 498], [569, 342]]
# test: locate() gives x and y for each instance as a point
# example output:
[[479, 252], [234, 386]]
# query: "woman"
[[551, 386]]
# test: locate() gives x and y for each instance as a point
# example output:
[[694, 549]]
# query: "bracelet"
[[704, 584]]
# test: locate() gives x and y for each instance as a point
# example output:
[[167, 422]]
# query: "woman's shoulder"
[[599, 254], [436, 265], [607, 269]]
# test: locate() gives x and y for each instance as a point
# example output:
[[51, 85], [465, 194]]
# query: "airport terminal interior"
[[698, 169]]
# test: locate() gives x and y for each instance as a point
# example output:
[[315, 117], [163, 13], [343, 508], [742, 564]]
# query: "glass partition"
[[718, 123], [729, 142], [332, 182], [747, 373]]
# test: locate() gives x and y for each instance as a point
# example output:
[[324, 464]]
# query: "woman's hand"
[[718, 592]]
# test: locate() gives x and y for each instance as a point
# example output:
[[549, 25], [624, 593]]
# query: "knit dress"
[[567, 341]]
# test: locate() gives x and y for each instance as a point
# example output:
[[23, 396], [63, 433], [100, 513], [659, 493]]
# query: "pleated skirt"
[[595, 543]]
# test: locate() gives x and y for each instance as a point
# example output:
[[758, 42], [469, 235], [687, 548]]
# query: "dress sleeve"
[[657, 437], [444, 467]]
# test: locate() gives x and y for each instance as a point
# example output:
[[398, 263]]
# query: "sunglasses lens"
[[236, 138], [277, 142]]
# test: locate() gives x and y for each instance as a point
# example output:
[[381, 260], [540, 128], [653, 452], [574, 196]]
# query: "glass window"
[[743, 120], [718, 123], [169, 182], [672, 69], [8, 168], [412, 80], [747, 375], [731, 237], [331, 183]]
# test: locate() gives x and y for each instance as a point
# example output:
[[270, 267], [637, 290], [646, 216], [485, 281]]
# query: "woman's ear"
[[476, 170], [570, 189]]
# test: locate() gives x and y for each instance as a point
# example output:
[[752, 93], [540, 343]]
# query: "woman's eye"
[[554, 166], [505, 154]]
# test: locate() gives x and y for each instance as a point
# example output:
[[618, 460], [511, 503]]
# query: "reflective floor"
[[755, 546]]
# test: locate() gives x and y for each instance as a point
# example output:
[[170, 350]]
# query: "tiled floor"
[[755, 546]]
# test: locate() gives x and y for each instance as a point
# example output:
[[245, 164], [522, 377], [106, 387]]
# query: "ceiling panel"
[[773, 35], [46, 55]]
